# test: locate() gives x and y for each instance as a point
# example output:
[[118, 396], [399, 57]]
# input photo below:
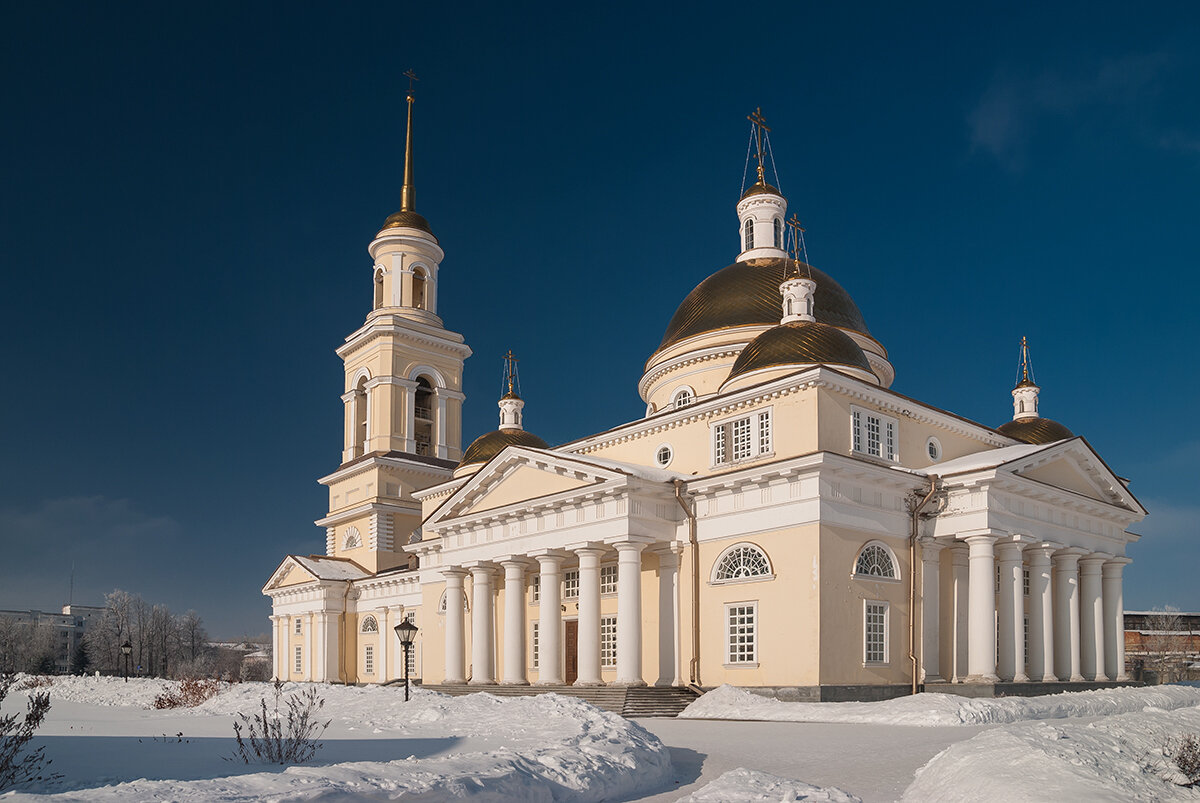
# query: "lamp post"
[[406, 631], [126, 648]]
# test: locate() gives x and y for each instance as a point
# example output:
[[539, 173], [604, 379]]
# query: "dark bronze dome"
[[485, 447], [760, 188], [747, 294], [1035, 430], [800, 343], [408, 220]]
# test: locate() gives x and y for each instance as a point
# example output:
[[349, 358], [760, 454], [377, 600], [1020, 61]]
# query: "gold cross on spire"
[[510, 369], [797, 243], [760, 125], [411, 76], [1026, 366]]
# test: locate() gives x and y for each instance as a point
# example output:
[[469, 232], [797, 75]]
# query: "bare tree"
[[1167, 643], [193, 636]]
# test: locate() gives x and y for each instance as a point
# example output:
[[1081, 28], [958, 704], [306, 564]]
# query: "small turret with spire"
[[511, 403], [762, 207], [1025, 394], [798, 291]]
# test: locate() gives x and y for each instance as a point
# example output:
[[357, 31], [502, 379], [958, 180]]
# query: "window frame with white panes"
[[888, 433], [883, 611], [737, 439], [736, 657]]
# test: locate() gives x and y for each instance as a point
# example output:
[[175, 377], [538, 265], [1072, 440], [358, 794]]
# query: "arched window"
[[778, 233], [748, 235], [419, 281], [442, 604], [876, 560], [741, 562], [682, 398], [360, 417], [378, 288], [370, 625], [423, 417], [353, 538]]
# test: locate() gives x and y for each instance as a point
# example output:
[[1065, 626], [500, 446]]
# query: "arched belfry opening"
[[378, 288], [423, 417], [420, 288], [360, 417]]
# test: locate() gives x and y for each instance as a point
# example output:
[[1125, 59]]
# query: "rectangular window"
[[875, 631], [369, 659], [1026, 640], [608, 579], [410, 660], [741, 439], [571, 584], [298, 620], [764, 432], [720, 433], [608, 641], [535, 588], [997, 579], [533, 640], [873, 433], [299, 660], [742, 634], [1025, 580]]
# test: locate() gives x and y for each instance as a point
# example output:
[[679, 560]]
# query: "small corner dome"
[[760, 188], [487, 446], [802, 343], [1035, 430], [407, 220]]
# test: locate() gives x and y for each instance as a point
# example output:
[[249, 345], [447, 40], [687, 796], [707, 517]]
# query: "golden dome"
[[760, 188], [800, 343], [1035, 430], [408, 220], [485, 447], [747, 294]]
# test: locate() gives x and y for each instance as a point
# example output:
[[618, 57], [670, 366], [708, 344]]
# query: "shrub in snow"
[[188, 694], [16, 768], [35, 682], [1185, 752], [276, 739]]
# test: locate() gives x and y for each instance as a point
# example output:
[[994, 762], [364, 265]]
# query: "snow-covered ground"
[[1103, 745]]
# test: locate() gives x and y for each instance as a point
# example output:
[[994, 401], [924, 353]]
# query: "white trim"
[[712, 573], [931, 441], [675, 394], [418, 371], [891, 553], [670, 455], [728, 633], [887, 620]]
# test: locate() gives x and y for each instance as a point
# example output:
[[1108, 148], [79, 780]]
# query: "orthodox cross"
[[759, 123], [510, 369], [798, 244], [411, 76], [1026, 367]]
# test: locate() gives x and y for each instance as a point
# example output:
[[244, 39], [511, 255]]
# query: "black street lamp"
[[126, 648], [406, 631]]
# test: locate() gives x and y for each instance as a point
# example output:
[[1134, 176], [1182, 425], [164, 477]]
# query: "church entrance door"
[[571, 650]]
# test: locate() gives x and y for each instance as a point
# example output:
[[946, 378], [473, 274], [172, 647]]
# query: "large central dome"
[[747, 294]]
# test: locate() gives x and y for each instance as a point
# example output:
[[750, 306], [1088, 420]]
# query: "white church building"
[[778, 519]]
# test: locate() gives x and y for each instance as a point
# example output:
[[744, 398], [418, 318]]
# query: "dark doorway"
[[571, 651]]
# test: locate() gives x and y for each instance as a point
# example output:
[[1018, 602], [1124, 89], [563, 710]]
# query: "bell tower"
[[403, 392]]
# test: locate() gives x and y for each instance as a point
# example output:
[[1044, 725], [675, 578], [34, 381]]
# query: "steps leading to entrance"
[[636, 701]]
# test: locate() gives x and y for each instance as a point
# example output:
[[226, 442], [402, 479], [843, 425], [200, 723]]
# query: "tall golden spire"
[[510, 376], [798, 247], [760, 125], [1026, 379], [407, 193]]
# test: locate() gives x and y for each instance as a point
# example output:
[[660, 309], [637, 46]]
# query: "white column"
[[589, 616], [410, 423], [275, 675], [1041, 615], [514, 622], [1066, 615], [550, 620], [629, 613], [381, 617], [960, 619], [931, 553], [669, 647], [456, 650], [1091, 617], [1011, 615], [483, 636], [440, 423], [1114, 619], [310, 641], [981, 636]]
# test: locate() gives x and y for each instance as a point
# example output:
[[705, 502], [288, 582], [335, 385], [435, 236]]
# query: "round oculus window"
[[663, 455], [934, 449]]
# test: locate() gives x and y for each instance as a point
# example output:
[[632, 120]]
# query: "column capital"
[[349, 395], [631, 543], [668, 547], [515, 560], [547, 555], [480, 568], [1042, 549], [1009, 551], [981, 537], [931, 549], [1113, 567], [454, 572], [588, 548], [1068, 556], [1095, 560]]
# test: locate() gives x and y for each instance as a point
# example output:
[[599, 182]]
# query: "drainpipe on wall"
[[694, 665], [912, 582]]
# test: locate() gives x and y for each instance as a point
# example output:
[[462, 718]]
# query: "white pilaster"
[[410, 406], [931, 553], [1114, 618], [440, 423], [589, 615], [514, 622], [1091, 616], [960, 619], [981, 647], [381, 617], [669, 647], [1041, 614], [1066, 614], [483, 635], [275, 649], [1011, 614], [309, 642], [550, 618], [456, 651], [629, 613]]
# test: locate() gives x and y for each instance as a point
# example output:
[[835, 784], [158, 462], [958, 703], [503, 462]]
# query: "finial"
[[1026, 368], [510, 403], [798, 247], [510, 375], [407, 193], [758, 125]]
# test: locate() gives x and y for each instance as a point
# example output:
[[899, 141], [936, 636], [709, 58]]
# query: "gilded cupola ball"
[[408, 220], [760, 188]]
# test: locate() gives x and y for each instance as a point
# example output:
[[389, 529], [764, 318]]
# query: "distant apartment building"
[[1162, 646], [67, 627]]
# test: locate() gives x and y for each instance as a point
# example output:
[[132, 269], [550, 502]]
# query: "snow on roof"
[[331, 568], [988, 458]]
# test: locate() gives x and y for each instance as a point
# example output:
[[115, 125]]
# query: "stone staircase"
[[628, 701]]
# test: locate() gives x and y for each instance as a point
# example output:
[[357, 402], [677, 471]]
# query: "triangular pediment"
[[519, 474], [1074, 466], [290, 573]]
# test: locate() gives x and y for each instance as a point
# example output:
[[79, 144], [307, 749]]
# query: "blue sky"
[[187, 195]]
